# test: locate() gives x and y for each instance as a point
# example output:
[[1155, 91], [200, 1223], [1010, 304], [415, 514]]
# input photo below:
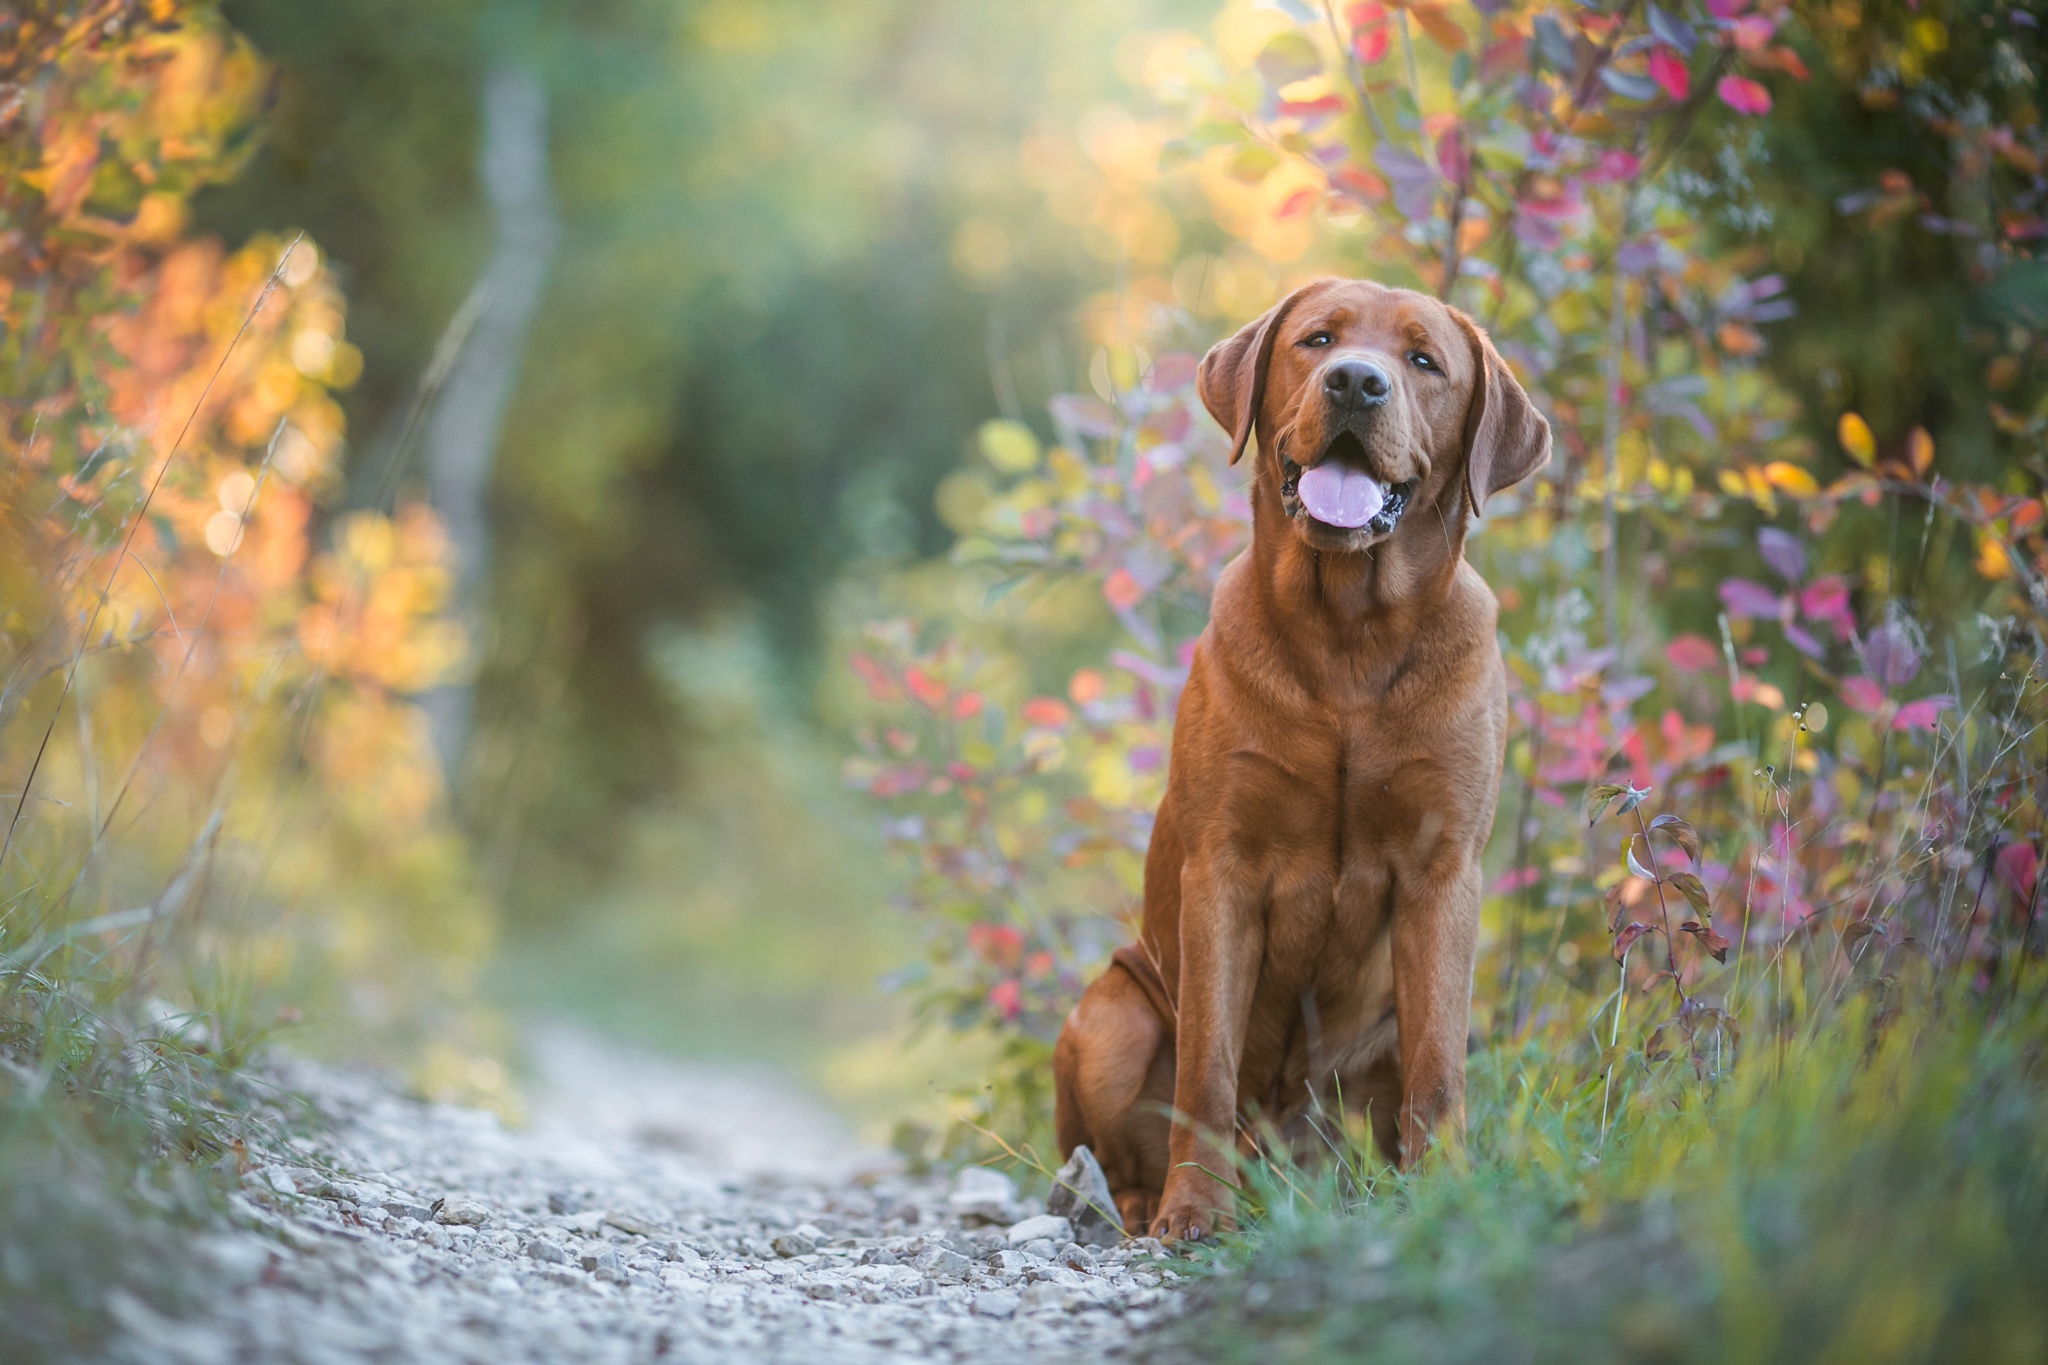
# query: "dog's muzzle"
[[1338, 498]]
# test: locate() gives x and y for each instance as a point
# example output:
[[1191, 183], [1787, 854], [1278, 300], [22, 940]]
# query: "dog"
[[1312, 887]]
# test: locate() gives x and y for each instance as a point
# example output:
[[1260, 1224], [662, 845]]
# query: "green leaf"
[[1599, 799], [1692, 888], [1289, 58]]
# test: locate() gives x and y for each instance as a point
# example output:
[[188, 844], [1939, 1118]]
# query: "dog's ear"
[[1506, 439], [1232, 380]]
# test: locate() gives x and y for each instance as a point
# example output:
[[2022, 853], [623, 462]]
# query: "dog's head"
[[1369, 400]]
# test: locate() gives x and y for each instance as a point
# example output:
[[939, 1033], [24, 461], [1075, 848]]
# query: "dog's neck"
[[1407, 575]]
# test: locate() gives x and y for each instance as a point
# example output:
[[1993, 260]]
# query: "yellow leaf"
[[1732, 483], [1993, 561], [1760, 490], [1920, 450], [1791, 480], [1009, 446], [1857, 442]]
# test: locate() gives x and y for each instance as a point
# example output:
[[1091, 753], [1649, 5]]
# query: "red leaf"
[[1743, 95], [925, 687], [1711, 941], [1668, 69], [1312, 109], [1047, 711], [1361, 184], [1369, 33], [1123, 589], [1626, 939], [1296, 204], [881, 687]]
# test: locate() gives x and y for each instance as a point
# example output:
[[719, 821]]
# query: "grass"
[[1877, 1193], [121, 1120]]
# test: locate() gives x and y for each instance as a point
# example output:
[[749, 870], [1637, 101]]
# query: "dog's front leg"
[[1436, 939], [1222, 943]]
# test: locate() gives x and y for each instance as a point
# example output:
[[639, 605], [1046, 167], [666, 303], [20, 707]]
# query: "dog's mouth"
[[1338, 493]]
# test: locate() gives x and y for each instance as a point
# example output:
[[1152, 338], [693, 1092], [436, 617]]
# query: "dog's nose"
[[1361, 382]]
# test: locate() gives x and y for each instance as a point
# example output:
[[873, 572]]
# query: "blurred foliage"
[[796, 243], [217, 793]]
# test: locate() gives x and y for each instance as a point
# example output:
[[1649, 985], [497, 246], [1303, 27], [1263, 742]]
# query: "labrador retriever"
[[1312, 887]]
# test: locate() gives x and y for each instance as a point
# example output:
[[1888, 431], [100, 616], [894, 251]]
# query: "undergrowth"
[[1881, 1193]]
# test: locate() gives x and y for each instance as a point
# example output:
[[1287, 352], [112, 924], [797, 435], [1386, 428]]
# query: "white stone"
[[1048, 1227]]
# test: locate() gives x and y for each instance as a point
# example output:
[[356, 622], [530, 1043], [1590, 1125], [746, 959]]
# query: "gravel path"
[[650, 1211]]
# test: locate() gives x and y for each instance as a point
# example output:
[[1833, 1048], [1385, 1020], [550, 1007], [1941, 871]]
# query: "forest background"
[[688, 516]]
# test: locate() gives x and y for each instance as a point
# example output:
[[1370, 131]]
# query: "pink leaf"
[[1921, 714], [1863, 694], [1517, 878], [1827, 599], [1668, 69], [1753, 31], [1691, 653], [1174, 370], [1743, 95]]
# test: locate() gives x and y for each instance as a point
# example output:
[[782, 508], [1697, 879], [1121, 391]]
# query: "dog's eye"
[[1317, 339], [1421, 360]]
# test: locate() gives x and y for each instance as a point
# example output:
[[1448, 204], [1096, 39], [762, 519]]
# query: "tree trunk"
[[461, 438]]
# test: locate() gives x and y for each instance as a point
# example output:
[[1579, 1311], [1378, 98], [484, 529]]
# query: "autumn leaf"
[[1856, 439], [1692, 888], [1122, 590], [925, 687], [1626, 939], [1668, 69], [1713, 942], [1442, 29], [1681, 831], [1743, 95], [1920, 451]]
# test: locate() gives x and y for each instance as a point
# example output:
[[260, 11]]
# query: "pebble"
[[1049, 1227], [569, 1243], [462, 1213]]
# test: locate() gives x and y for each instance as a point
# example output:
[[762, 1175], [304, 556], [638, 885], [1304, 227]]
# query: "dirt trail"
[[650, 1211]]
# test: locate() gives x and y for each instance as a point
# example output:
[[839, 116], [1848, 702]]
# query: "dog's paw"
[[1187, 1220]]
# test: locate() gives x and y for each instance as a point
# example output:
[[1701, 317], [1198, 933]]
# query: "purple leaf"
[[1087, 416], [1803, 642], [1673, 30], [1783, 552], [1744, 598], [1637, 257], [1413, 181], [1892, 653]]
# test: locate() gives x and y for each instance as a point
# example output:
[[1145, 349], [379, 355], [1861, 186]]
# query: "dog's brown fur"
[[1312, 889]]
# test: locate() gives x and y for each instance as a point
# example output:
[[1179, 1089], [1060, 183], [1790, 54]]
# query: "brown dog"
[[1312, 888]]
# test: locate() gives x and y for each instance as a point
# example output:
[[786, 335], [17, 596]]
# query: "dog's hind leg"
[[1113, 1082]]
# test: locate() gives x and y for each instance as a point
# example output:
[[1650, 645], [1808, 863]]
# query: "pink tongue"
[[1338, 495]]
